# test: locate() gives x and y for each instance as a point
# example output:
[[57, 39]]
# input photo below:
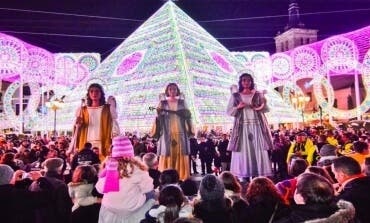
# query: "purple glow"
[[129, 63], [221, 62]]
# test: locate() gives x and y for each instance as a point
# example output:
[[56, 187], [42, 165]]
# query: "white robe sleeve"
[[231, 109], [115, 126]]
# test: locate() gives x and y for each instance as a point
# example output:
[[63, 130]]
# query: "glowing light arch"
[[340, 113], [40, 66], [30, 114], [282, 66], [339, 54], [13, 56], [305, 59]]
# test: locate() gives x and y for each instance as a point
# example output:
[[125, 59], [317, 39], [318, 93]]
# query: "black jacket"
[[357, 192], [17, 205], [59, 210], [85, 156]]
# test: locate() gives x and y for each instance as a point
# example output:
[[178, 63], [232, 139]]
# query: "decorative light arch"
[[305, 59], [282, 66], [30, 113], [40, 66], [13, 56], [339, 54], [340, 113]]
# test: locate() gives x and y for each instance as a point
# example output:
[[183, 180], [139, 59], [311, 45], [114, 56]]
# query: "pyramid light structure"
[[168, 47]]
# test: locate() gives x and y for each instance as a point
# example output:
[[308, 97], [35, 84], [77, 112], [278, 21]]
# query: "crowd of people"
[[318, 173], [249, 174]]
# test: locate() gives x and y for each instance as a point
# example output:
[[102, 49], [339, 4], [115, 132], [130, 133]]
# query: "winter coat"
[[342, 212], [156, 213], [356, 191], [59, 211]]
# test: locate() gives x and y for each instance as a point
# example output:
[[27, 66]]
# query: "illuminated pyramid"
[[170, 47]]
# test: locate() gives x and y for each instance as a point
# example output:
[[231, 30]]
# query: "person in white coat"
[[126, 185]]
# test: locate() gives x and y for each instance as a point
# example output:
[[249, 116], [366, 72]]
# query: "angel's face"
[[172, 91], [94, 94], [246, 82]]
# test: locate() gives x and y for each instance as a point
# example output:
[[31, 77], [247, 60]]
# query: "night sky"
[[262, 20]]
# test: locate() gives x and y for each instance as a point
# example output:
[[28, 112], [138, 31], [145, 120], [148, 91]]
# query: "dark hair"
[[7, 158], [169, 176], [84, 173], [189, 187], [240, 81], [360, 146], [230, 182], [102, 97], [347, 165], [320, 171], [169, 85], [188, 220], [172, 197], [297, 166], [87, 145], [314, 188]]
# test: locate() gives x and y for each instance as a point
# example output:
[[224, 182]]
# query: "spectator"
[[151, 160], [8, 159], [354, 186], [327, 154], [60, 210], [212, 207], [232, 186], [287, 187], [85, 157], [169, 176], [139, 147], [190, 188], [225, 155], [172, 204], [320, 171], [361, 151], [207, 151], [194, 149], [303, 148], [265, 202], [126, 184], [17, 204], [315, 201], [85, 208]]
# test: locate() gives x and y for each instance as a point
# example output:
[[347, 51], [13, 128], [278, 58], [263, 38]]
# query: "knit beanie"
[[122, 148], [328, 150], [211, 188], [6, 174]]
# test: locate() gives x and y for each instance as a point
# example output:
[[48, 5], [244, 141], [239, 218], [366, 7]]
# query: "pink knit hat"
[[122, 147]]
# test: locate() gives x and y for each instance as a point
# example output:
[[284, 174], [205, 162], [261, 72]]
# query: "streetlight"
[[55, 104], [299, 102]]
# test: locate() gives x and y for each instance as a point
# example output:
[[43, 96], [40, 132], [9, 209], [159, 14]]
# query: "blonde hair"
[[126, 166]]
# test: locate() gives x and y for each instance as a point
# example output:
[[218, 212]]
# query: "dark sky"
[[256, 33]]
